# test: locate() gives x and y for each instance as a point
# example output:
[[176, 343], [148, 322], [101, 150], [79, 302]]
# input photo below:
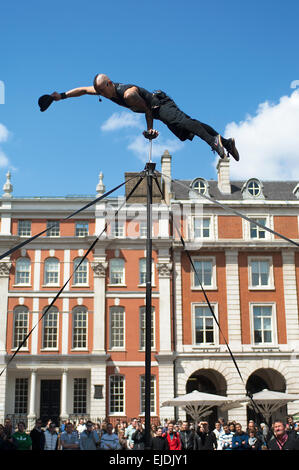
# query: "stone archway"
[[207, 381], [262, 379]]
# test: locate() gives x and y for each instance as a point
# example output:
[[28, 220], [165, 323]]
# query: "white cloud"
[[140, 147], [121, 121], [4, 162], [3, 133], [268, 143]]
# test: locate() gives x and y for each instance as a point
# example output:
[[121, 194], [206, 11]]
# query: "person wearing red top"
[[173, 438]]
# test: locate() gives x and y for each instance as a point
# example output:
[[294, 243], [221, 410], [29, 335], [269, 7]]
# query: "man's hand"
[[151, 134], [56, 96]]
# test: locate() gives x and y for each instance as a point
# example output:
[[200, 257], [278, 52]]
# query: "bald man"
[[156, 105]]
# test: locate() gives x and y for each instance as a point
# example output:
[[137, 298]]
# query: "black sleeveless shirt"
[[120, 89]]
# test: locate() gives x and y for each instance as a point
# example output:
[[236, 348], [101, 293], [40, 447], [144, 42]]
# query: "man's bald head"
[[103, 85]]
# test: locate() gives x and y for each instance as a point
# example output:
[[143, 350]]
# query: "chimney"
[[223, 176], [166, 170]]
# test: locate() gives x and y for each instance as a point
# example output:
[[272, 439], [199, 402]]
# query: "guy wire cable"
[[233, 211], [141, 176], [208, 302], [28, 240]]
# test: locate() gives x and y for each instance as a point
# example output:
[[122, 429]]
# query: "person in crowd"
[[254, 441], [89, 438], [122, 439], [98, 429], [226, 438], [159, 442], [165, 425], [8, 428], [240, 439], [217, 431], [189, 439], [69, 438], [51, 437], [130, 431], [109, 440], [265, 433], [208, 438], [173, 437], [23, 439], [153, 430], [222, 423], [6, 443], [138, 437], [281, 440], [232, 427], [290, 424], [81, 427], [38, 436]]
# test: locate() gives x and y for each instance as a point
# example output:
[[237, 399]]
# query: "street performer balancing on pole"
[[155, 105]]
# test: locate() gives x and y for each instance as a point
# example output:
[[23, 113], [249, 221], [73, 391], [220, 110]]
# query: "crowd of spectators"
[[182, 435]]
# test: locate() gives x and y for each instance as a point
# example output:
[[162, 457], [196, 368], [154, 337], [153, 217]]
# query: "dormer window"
[[199, 186], [253, 189]]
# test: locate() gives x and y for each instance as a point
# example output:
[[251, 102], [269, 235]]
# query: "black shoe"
[[218, 147], [232, 149]]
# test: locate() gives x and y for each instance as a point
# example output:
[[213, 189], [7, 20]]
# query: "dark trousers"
[[180, 124]]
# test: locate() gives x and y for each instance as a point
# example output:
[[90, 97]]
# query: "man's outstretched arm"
[[136, 102], [84, 90]]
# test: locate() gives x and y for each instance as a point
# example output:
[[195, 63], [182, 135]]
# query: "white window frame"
[[274, 324], [213, 285], [18, 262], [142, 309], [122, 309], [21, 309], [154, 388], [20, 396], [120, 224], [86, 398], [52, 348], [19, 228], [45, 272], [82, 222], [142, 284], [85, 262], [118, 413], [247, 225], [76, 309], [214, 305], [123, 283], [270, 285], [211, 228], [53, 222]]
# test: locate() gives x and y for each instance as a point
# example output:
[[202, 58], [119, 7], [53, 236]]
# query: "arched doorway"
[[207, 381], [265, 379]]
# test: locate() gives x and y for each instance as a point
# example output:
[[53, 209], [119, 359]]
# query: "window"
[[263, 324], [201, 227], [143, 229], [80, 396], [142, 316], [21, 323], [117, 271], [260, 270], [116, 394], [50, 329], [80, 272], [254, 188], [204, 325], [24, 228], [117, 228], [205, 273], [21, 396], [81, 229], [142, 271], [22, 271], [53, 228], [117, 327], [256, 231], [142, 394], [51, 271], [199, 186], [79, 328]]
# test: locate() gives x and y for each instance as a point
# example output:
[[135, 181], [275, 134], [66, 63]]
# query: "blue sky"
[[229, 64]]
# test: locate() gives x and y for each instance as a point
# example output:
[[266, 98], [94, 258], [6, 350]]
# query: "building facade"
[[85, 356]]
